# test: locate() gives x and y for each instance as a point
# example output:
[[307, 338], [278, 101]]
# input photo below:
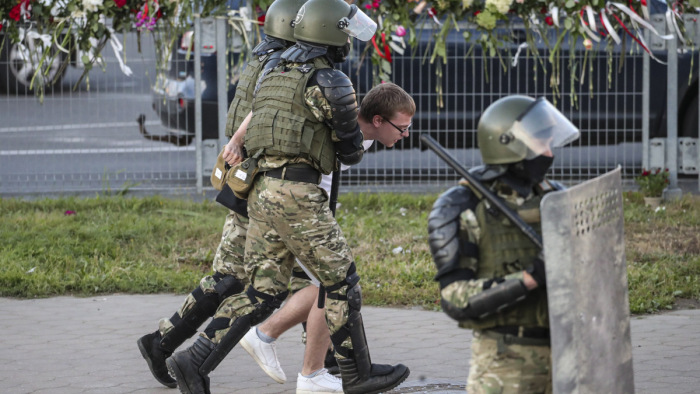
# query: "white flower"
[[467, 3], [91, 5], [501, 6], [58, 6]]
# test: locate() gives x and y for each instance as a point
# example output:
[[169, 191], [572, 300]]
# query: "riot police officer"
[[491, 277], [229, 276], [304, 123]]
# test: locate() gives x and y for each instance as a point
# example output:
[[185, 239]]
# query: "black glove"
[[536, 270], [347, 154]]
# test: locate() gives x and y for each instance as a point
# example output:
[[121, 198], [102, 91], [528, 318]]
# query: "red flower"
[[261, 20], [548, 20], [477, 12], [15, 12], [0, 26], [120, 3]]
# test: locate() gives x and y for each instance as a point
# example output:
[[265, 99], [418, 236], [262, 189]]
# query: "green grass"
[[154, 244]]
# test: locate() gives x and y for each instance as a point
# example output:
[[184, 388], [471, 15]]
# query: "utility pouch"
[[241, 176], [218, 174]]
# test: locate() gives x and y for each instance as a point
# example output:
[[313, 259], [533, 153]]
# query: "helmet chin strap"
[[338, 54], [528, 173]]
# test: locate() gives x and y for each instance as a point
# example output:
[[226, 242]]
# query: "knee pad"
[[226, 285], [351, 280]]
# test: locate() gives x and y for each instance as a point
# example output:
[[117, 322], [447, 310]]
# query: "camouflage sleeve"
[[318, 105], [458, 293]]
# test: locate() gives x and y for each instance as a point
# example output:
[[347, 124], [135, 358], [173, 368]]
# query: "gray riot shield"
[[583, 237]]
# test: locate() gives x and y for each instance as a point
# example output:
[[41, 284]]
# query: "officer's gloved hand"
[[347, 154], [536, 270]]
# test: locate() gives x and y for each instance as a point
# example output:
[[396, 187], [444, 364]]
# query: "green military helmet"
[[517, 128], [279, 19], [331, 22], [495, 145]]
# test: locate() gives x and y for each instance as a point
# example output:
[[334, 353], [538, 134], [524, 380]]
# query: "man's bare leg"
[[302, 306], [294, 311], [317, 339]]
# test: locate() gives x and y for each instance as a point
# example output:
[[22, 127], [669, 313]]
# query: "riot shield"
[[583, 236]]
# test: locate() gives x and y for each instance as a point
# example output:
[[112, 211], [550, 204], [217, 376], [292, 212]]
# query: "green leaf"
[[386, 67]]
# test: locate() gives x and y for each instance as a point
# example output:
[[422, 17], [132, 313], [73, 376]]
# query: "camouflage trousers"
[[501, 367], [289, 219], [228, 261]]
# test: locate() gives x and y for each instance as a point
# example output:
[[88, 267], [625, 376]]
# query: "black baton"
[[335, 185]]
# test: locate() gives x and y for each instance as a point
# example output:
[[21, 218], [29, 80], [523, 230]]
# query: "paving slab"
[[88, 345]]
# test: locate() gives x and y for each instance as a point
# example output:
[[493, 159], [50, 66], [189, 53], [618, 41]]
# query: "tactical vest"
[[283, 125], [503, 250], [243, 99]]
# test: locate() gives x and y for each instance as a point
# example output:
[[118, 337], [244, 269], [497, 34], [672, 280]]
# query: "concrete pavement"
[[88, 345]]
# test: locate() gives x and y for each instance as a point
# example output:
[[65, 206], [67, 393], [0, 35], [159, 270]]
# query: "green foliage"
[[652, 182], [146, 245], [105, 245]]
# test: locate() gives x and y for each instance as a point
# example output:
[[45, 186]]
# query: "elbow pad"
[[494, 299], [348, 152], [443, 229], [489, 302], [338, 90]]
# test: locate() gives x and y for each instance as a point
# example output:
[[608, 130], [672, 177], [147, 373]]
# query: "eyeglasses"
[[398, 128]]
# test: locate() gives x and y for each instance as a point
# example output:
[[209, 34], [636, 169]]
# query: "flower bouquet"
[[652, 184], [45, 28]]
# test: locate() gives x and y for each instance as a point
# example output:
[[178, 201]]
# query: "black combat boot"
[[184, 366], [155, 356], [381, 377]]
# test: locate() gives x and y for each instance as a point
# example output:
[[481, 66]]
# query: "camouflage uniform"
[[230, 253], [502, 363], [289, 219]]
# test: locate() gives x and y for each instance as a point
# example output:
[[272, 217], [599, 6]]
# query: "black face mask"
[[338, 54], [533, 170]]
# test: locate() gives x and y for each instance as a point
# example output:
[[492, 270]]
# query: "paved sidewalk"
[[88, 345]]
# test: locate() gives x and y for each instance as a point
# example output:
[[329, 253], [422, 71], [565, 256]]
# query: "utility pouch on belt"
[[241, 176], [218, 174]]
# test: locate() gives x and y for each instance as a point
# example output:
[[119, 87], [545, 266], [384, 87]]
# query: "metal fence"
[[89, 140]]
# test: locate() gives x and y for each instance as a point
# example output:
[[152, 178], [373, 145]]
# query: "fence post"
[[221, 78], [198, 99], [646, 70], [672, 191]]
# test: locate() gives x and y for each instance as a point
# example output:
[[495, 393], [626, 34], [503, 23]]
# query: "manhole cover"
[[430, 386]]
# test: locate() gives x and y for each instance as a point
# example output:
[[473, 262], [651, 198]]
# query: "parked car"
[[607, 106], [19, 61]]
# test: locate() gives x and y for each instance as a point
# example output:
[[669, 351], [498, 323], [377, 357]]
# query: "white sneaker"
[[321, 383], [264, 354]]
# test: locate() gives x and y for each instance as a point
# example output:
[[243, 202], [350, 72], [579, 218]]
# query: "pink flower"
[[368, 6], [69, 212], [400, 31], [120, 3], [375, 3]]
